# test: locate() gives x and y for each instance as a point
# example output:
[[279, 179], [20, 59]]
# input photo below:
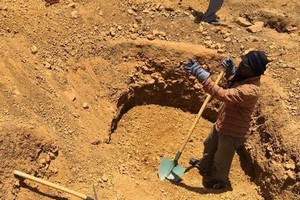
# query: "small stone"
[[55, 170], [139, 19], [243, 22], [218, 46], [76, 115], [257, 27], [291, 28], [227, 39], [150, 37], [48, 159], [290, 175], [51, 155], [221, 50], [34, 49], [85, 105], [112, 31], [134, 36], [72, 5], [47, 65], [252, 38], [43, 161], [205, 33], [298, 176], [298, 166], [208, 43], [130, 11], [74, 14], [73, 97], [104, 178], [17, 184]]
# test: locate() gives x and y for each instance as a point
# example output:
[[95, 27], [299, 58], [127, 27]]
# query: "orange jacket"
[[238, 103]]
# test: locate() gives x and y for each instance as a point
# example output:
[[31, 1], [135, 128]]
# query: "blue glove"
[[229, 65], [192, 67]]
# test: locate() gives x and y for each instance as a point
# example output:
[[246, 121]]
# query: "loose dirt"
[[93, 93]]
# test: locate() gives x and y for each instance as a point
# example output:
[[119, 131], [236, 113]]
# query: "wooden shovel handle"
[[44, 182], [200, 112]]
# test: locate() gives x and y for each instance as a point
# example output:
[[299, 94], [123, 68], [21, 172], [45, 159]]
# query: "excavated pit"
[[159, 83], [159, 80]]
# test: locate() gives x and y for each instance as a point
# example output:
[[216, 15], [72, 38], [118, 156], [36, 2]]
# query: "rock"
[[257, 27], [73, 97], [85, 105], [72, 5], [112, 31], [291, 175], [134, 36], [139, 19], [43, 161], [205, 33], [150, 37], [298, 176], [221, 50], [208, 43], [76, 115], [55, 170], [130, 11], [252, 38], [218, 46], [51, 155], [291, 28], [47, 65], [243, 22], [227, 39], [155, 33], [104, 178], [48, 159], [34, 49], [74, 14], [298, 166]]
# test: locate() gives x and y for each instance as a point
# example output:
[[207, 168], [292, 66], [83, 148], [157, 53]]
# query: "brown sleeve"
[[238, 95]]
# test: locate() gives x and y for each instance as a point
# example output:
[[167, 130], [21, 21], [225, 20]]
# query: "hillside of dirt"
[[93, 96]]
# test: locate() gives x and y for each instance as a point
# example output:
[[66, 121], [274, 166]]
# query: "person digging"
[[232, 126]]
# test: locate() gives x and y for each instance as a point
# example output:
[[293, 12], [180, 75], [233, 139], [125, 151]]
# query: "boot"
[[197, 163]]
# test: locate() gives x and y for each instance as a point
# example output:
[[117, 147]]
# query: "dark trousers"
[[218, 154], [213, 7]]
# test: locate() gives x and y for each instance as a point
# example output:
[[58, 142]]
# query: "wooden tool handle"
[[200, 112], [44, 182]]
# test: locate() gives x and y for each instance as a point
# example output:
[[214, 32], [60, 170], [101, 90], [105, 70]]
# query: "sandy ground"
[[92, 93]]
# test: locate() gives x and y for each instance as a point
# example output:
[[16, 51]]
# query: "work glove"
[[229, 65], [192, 67]]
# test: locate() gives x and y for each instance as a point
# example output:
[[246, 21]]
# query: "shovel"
[[44, 182], [170, 169]]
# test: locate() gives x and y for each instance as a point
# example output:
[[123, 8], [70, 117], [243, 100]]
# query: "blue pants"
[[213, 7]]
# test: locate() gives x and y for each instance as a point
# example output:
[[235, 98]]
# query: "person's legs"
[[205, 164], [227, 146], [213, 7]]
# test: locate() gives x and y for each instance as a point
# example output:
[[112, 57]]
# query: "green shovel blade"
[[170, 169]]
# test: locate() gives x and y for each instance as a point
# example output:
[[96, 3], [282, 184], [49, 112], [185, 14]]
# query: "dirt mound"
[[92, 91], [25, 149]]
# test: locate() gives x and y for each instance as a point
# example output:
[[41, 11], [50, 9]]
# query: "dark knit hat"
[[257, 60]]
